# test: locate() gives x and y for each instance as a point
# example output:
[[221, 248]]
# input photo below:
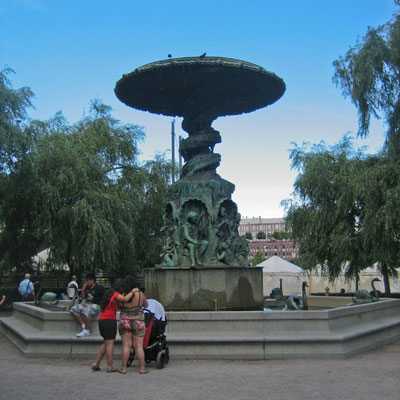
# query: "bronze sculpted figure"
[[362, 296], [193, 239], [48, 300], [296, 303]]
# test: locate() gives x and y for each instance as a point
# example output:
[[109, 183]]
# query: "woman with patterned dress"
[[132, 327]]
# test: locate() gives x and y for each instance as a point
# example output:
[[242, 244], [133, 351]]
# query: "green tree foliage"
[[81, 190], [16, 188], [261, 235], [78, 168], [341, 214], [282, 235], [379, 189], [370, 74], [150, 211], [325, 214], [248, 236], [346, 205], [14, 138], [257, 259]]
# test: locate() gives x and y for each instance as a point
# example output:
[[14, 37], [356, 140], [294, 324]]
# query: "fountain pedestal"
[[206, 288]]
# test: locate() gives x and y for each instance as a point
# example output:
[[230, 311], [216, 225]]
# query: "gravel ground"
[[372, 375]]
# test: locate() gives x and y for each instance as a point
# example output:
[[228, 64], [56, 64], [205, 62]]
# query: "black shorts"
[[108, 329]]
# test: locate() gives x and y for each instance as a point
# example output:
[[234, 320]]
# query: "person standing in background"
[[26, 289], [72, 287]]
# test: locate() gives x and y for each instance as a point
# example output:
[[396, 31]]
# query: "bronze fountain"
[[201, 221]]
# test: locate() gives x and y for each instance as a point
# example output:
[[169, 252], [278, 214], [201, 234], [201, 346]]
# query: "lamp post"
[[173, 150]]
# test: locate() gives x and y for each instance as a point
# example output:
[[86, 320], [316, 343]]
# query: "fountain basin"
[[332, 333], [314, 302], [237, 335]]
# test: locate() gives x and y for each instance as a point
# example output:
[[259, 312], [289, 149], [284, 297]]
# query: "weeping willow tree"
[[99, 206], [346, 204], [15, 143], [369, 74], [379, 187], [80, 190], [325, 211]]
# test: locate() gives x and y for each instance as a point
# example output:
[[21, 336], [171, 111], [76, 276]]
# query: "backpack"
[[71, 289]]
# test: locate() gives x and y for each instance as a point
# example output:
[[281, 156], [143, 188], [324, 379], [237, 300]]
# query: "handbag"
[[28, 297]]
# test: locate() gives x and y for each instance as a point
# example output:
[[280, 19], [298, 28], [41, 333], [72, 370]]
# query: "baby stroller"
[[155, 341]]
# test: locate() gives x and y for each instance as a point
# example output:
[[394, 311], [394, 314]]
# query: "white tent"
[[39, 261], [276, 268]]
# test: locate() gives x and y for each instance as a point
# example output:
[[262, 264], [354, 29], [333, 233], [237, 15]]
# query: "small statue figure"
[[169, 256], [362, 296], [240, 245], [169, 253], [192, 240], [48, 300], [223, 232], [277, 293], [296, 303]]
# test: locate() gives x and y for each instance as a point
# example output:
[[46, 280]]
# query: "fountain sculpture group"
[[201, 236]]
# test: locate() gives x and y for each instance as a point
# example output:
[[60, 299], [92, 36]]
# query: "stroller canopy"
[[156, 308]]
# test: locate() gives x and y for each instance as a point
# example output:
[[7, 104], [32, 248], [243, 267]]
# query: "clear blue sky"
[[70, 52]]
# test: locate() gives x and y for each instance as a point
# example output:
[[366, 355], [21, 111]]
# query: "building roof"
[[276, 264], [262, 220]]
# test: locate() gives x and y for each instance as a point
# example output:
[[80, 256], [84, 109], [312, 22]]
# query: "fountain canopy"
[[218, 86]]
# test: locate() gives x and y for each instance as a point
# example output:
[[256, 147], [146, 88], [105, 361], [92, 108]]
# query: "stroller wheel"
[[167, 355], [131, 358], [161, 359]]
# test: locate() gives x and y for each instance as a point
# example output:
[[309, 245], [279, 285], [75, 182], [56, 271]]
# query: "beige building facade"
[[266, 225], [268, 247]]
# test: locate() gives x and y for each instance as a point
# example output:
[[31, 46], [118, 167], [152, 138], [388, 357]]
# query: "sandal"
[[95, 368], [122, 372], [112, 370], [144, 372]]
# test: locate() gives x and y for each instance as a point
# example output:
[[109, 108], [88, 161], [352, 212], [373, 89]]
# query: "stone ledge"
[[217, 335]]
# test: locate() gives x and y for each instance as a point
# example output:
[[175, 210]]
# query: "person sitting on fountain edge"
[[92, 293]]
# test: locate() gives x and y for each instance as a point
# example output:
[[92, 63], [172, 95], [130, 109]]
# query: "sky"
[[71, 51]]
